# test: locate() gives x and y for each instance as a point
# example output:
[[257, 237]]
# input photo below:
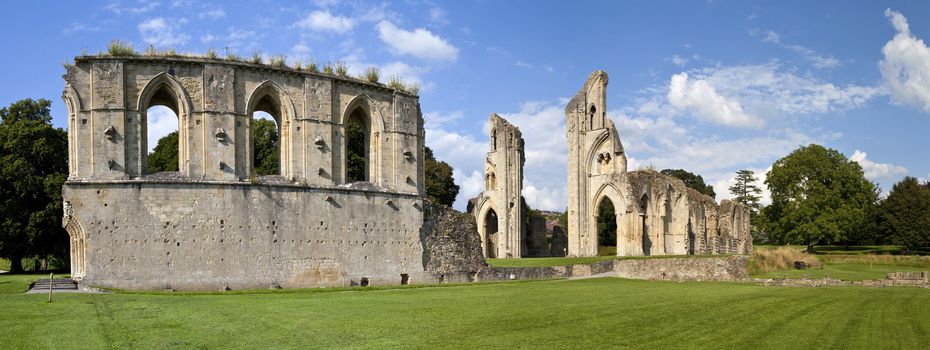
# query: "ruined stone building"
[[214, 224], [498, 209], [655, 214]]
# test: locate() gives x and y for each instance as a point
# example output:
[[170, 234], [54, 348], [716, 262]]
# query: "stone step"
[[56, 284]]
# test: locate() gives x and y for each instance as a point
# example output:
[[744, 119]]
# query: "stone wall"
[[723, 268], [450, 240], [655, 214], [200, 236], [213, 224]]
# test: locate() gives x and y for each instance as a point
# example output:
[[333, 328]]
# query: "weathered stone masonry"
[[656, 214], [214, 224]]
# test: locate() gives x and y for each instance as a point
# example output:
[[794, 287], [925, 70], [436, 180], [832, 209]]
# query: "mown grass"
[[567, 261], [846, 272], [778, 262], [594, 313]]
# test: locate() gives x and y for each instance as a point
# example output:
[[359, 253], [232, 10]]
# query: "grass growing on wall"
[[594, 313]]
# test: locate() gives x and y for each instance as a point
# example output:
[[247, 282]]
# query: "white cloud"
[[877, 171], [818, 60], [678, 60], [207, 38], [324, 21], [437, 16], [212, 14], [906, 65], [161, 121], [523, 65], [157, 31], [118, 9], [701, 98], [750, 95], [419, 43], [435, 120]]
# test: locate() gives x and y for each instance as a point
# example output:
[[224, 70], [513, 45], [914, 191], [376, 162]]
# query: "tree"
[[165, 155], [691, 180], [33, 167], [817, 196], [355, 152], [606, 224], [904, 216], [440, 186], [746, 190], [266, 152]]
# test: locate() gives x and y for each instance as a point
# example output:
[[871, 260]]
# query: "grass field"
[[594, 313]]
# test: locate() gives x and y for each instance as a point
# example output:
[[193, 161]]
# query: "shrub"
[[413, 88], [342, 69], [781, 258], [257, 57], [372, 74], [313, 66], [277, 61], [328, 68], [211, 54], [120, 48], [396, 83]]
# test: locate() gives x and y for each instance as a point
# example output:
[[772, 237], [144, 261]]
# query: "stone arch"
[[270, 95], [609, 191], [165, 89], [489, 241], [593, 164], [74, 106], [363, 106], [592, 111], [643, 207], [78, 248]]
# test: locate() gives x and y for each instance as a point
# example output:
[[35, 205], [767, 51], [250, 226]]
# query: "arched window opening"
[[161, 133], [647, 243], [265, 133], [490, 233], [591, 118], [606, 228], [494, 140], [358, 149]]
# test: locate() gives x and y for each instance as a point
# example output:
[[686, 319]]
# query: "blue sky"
[[708, 86]]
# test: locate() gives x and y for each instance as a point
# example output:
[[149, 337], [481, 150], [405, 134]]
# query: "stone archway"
[[490, 233]]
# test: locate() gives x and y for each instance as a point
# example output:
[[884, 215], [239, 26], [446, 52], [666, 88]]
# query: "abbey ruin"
[[498, 209], [216, 224], [655, 214]]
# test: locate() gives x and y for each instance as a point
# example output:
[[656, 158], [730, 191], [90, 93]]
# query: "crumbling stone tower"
[[655, 214], [595, 157], [498, 210]]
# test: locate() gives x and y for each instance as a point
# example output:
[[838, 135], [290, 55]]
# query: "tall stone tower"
[[595, 160], [498, 210]]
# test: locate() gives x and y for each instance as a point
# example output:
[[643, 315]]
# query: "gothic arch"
[[78, 247], [610, 192], [375, 122], [182, 107], [74, 106], [591, 157], [287, 113]]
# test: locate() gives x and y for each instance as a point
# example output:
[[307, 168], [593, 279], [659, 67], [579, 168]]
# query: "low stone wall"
[[894, 279], [683, 269], [725, 268]]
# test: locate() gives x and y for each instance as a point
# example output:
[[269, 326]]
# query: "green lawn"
[[594, 313], [847, 272]]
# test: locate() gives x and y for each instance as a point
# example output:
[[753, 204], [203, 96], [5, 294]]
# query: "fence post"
[[51, 279]]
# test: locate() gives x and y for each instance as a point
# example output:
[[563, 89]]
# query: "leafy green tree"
[[606, 224], [265, 148], [691, 180], [903, 218], [33, 167], [746, 190], [165, 155], [440, 186], [355, 152], [818, 196]]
